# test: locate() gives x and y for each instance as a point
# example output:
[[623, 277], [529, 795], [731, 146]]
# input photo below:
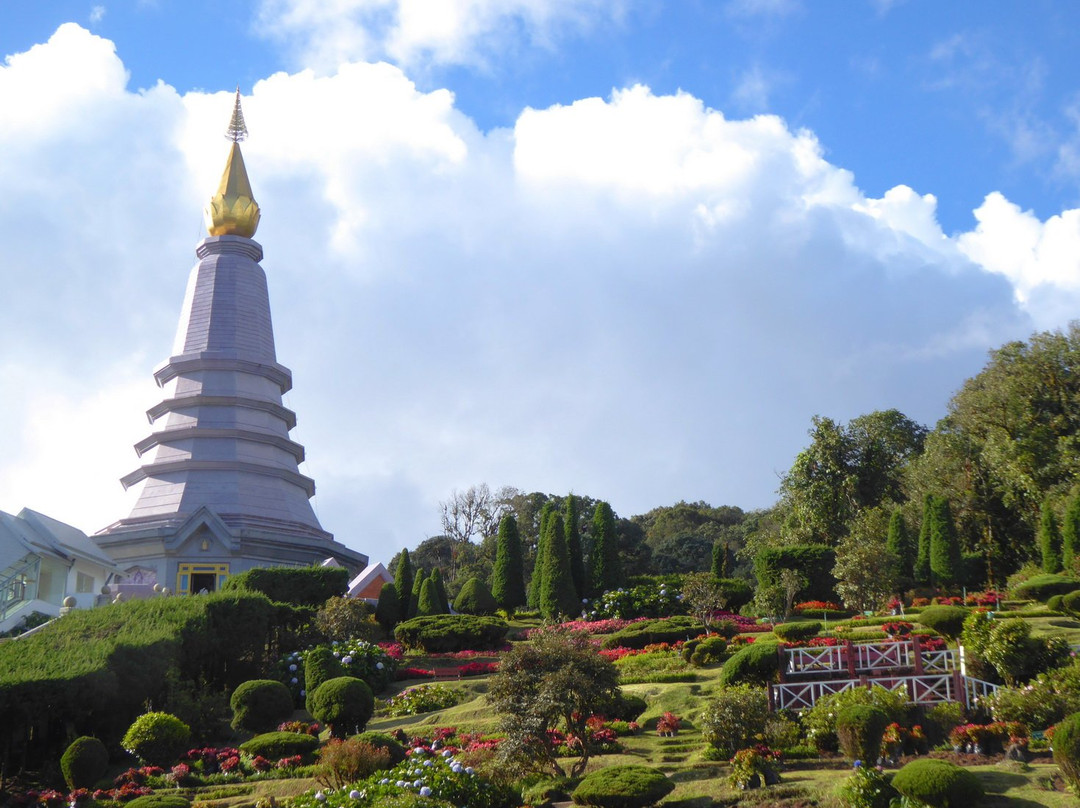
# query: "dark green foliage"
[[381, 740], [859, 728], [734, 718], [720, 560], [508, 574], [628, 707], [388, 609], [707, 652], [1069, 603], [440, 591], [900, 545], [547, 512], [301, 586], [84, 762], [157, 738], [1049, 539], [1067, 750], [938, 783], [1056, 602], [403, 581], [449, 633], [260, 705], [159, 801], [922, 555], [345, 704], [794, 632], [866, 787], [754, 664], [1041, 587], [428, 604], [572, 532], [558, 598], [278, 745], [604, 568], [814, 561], [414, 597], [945, 556], [474, 598], [647, 632], [948, 621], [737, 591], [623, 787], [1070, 531], [320, 665]]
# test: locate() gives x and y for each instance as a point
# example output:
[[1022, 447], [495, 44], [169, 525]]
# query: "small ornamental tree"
[[259, 705], [388, 609], [508, 574], [945, 558], [345, 618], [414, 597], [900, 545], [1067, 750], [720, 560], [157, 738], [84, 762], [474, 598], [605, 571], [428, 603], [546, 514], [1070, 532], [922, 556], [572, 532], [860, 728], [557, 594], [403, 581], [440, 591], [1049, 539], [320, 665], [344, 704], [702, 594]]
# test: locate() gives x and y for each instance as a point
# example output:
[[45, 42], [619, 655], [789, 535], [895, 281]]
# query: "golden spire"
[[232, 210]]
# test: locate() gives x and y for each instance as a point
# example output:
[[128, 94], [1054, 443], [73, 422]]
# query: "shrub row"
[[648, 632]]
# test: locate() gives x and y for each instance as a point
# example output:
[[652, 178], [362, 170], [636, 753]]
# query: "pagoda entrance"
[[191, 579]]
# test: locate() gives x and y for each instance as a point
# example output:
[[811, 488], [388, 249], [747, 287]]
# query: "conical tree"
[[719, 560], [945, 557], [403, 581], [388, 609], [573, 546], [475, 598], [898, 543], [414, 597], [538, 565], [557, 595], [605, 571], [1049, 539], [922, 556], [428, 603], [508, 574], [1070, 532], [440, 591]]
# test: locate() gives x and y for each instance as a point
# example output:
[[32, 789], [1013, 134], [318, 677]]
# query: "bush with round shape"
[[948, 621], [796, 632], [345, 704], [259, 705], [84, 762], [623, 787], [380, 740], [708, 652], [859, 728], [755, 664], [278, 745], [1069, 603], [938, 783], [157, 738], [320, 665], [1042, 587], [159, 801], [629, 707], [475, 598], [446, 633], [1067, 750], [1054, 604], [820, 720]]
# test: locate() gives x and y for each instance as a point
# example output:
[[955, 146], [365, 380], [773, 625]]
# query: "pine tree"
[[414, 596], [922, 556], [604, 568], [573, 546], [557, 595], [403, 581], [719, 560], [538, 564], [508, 574], [1049, 539], [1070, 532], [428, 602], [945, 558], [388, 609], [440, 591], [898, 543]]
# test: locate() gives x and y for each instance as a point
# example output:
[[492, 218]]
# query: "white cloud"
[[97, 14]]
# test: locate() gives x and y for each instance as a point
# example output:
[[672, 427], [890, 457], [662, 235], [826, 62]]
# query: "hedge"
[[647, 632], [300, 586], [794, 632], [277, 745], [815, 561], [623, 787], [1041, 587], [754, 664], [938, 783], [443, 633], [947, 621]]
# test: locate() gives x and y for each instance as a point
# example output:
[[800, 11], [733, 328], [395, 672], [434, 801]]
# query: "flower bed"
[[421, 699]]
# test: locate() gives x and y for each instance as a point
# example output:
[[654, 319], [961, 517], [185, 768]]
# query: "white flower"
[[337, 653], [303, 693], [427, 762], [292, 668], [447, 753], [347, 660], [384, 781], [354, 794], [400, 784], [294, 681], [456, 768], [320, 796], [379, 665], [425, 792], [418, 783], [468, 770]]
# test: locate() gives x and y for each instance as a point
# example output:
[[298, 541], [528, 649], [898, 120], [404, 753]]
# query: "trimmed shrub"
[[623, 787], [1067, 750], [301, 586], [737, 592], [345, 704], [1042, 587], [475, 598], [157, 738], [734, 718], [948, 621], [648, 632], [820, 720], [445, 633], [381, 740], [1069, 603], [708, 651], [278, 745], [755, 664], [320, 665], [388, 608], [859, 728], [1055, 603], [84, 762], [159, 801], [795, 632], [260, 705], [629, 707], [815, 561], [938, 783]]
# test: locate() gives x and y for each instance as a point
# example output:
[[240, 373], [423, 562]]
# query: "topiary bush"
[[623, 787], [446, 633], [648, 632], [1042, 587], [159, 801], [157, 739], [755, 664], [381, 740], [948, 621], [345, 704], [796, 632], [84, 762], [320, 665], [859, 728], [1067, 750], [475, 598], [708, 652], [628, 707], [278, 745], [819, 721], [938, 783], [259, 705], [1066, 603]]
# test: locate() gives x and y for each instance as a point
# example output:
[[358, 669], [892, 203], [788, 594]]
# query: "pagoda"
[[220, 489]]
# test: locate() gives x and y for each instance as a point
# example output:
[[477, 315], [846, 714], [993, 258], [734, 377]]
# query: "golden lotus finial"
[[232, 210]]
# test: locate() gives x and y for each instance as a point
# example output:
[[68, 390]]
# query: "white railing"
[[977, 689], [868, 657], [879, 657], [930, 689], [816, 660], [940, 661], [802, 695]]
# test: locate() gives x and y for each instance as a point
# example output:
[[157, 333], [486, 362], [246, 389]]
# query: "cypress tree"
[[428, 602], [945, 558], [508, 574], [604, 568], [1070, 532], [388, 609], [541, 554], [573, 546], [414, 596], [719, 560], [922, 556], [899, 544], [557, 595], [440, 591], [403, 582], [1049, 539]]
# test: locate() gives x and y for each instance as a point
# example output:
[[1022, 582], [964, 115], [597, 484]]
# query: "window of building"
[[84, 583]]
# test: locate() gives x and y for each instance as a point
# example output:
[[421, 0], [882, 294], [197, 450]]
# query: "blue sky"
[[623, 247]]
